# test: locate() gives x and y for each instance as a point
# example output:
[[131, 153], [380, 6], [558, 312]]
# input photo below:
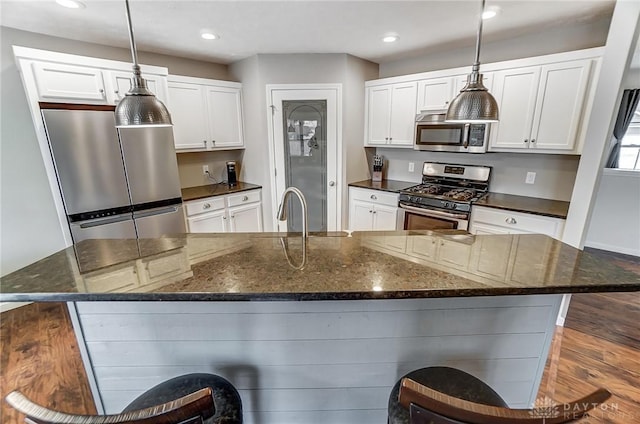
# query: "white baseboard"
[[613, 248]]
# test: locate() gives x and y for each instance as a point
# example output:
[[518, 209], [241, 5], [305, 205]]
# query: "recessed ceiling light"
[[390, 38], [71, 4], [491, 12], [209, 35]]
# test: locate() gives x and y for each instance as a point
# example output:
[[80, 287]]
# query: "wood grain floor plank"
[[40, 358]]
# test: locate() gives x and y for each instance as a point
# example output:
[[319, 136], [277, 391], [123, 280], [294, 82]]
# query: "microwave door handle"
[[465, 136]]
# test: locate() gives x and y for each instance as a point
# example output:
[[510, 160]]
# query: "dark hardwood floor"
[[598, 347]]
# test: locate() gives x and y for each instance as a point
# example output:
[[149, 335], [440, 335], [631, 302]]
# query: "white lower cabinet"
[[486, 220], [372, 210], [238, 213]]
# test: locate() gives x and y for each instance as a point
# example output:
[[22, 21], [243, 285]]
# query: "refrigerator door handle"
[[154, 212], [98, 222]]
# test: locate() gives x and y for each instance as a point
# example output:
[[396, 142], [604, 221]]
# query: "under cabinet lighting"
[[71, 4]]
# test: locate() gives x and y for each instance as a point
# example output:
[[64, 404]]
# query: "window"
[[630, 144]]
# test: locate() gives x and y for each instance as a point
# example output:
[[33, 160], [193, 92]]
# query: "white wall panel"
[[307, 360]]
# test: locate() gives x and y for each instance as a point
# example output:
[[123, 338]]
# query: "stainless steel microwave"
[[436, 135]]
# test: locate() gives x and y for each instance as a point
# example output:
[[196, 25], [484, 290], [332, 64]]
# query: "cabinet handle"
[[213, 142], [390, 138], [224, 217], [374, 212], [373, 196], [206, 206], [511, 220], [386, 138], [332, 183], [205, 143], [245, 198], [442, 243], [370, 211], [526, 140], [233, 216], [533, 140]]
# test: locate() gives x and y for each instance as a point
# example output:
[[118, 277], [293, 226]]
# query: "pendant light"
[[139, 107], [474, 104]]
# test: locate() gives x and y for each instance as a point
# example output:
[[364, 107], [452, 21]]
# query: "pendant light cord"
[[476, 64], [134, 53]]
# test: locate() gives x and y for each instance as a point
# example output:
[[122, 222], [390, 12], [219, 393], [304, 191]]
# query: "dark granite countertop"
[[337, 266], [393, 186], [533, 205], [200, 192]]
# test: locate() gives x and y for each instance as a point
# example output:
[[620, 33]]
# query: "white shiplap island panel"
[[317, 361]]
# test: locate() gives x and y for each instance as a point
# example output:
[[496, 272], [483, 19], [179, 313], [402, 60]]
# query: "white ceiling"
[[295, 26]]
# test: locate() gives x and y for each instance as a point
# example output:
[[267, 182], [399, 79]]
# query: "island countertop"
[[335, 266]]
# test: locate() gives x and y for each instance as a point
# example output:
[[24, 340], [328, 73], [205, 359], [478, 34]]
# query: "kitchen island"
[[318, 334]]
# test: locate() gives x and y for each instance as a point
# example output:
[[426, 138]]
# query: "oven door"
[[415, 218]]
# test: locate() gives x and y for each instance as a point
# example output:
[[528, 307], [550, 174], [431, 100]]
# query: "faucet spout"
[[282, 210]]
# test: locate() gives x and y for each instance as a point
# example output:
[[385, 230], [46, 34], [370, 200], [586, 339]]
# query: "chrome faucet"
[[282, 210]]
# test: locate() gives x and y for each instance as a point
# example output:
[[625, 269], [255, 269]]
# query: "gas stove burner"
[[462, 194], [425, 189]]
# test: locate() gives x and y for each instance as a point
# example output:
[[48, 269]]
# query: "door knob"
[[332, 183]]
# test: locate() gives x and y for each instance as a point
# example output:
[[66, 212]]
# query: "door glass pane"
[[305, 157]]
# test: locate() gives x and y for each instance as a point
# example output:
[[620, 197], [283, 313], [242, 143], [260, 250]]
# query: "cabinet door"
[[360, 216], [378, 115], [385, 217], [515, 92], [461, 81], [454, 253], [212, 222], [120, 84], [402, 114], [56, 81], [560, 103], [246, 219], [435, 94], [423, 247], [224, 113], [188, 113]]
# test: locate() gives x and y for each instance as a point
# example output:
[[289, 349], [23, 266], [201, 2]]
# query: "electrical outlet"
[[411, 166], [205, 169], [531, 178]]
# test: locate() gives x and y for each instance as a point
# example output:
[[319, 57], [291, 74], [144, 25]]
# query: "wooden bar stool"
[[442, 395], [188, 399]]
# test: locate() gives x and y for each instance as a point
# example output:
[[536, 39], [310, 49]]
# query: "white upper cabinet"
[[60, 82], [119, 83], [206, 114], [65, 78], [188, 110], [543, 102], [515, 92], [540, 107], [390, 114], [435, 93], [225, 116]]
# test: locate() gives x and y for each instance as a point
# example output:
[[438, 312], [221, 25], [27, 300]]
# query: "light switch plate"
[[411, 166], [531, 178]]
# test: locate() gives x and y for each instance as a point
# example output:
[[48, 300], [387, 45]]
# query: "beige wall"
[[190, 166], [258, 71], [29, 228], [557, 40]]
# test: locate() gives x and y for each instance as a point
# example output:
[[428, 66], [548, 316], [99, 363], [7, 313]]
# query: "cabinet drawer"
[[517, 221], [204, 205], [374, 196], [118, 280], [243, 198]]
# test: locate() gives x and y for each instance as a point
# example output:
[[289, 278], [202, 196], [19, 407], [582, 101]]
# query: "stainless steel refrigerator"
[[115, 183]]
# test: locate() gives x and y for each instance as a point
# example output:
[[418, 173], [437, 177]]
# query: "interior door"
[[305, 146]]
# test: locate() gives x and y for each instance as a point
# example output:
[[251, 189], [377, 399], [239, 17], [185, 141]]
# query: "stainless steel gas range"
[[443, 200]]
